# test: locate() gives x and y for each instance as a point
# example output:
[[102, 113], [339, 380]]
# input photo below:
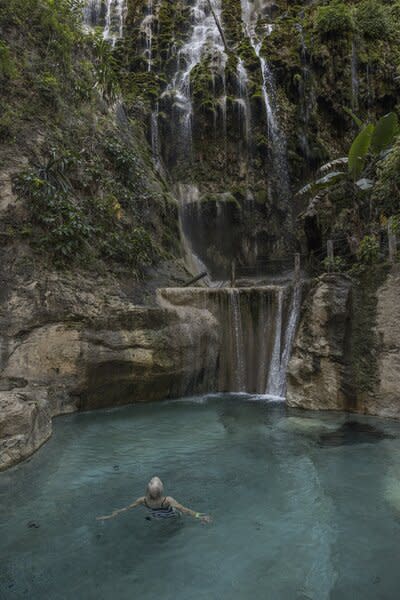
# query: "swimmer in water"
[[158, 505]]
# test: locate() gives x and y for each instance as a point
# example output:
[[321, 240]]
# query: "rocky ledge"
[[73, 343]]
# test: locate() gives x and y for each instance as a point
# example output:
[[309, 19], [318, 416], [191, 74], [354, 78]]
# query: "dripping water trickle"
[[234, 299], [155, 138], [273, 385]]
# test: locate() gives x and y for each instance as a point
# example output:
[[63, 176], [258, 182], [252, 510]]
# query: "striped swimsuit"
[[161, 512]]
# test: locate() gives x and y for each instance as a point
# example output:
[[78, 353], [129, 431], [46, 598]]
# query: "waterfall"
[[147, 32], [256, 329], [92, 12], [108, 13], [155, 138], [290, 334], [274, 377], [115, 17], [223, 106], [250, 13], [276, 386], [278, 141], [205, 39], [243, 101], [189, 194]]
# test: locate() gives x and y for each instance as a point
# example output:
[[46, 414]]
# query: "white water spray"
[[205, 40], [114, 12], [283, 342], [250, 13]]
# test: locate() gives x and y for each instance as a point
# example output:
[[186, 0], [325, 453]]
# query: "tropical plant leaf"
[[322, 183], [356, 119], [337, 162], [386, 129], [359, 150]]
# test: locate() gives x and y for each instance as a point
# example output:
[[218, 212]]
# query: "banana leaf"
[[359, 150], [385, 131], [322, 183]]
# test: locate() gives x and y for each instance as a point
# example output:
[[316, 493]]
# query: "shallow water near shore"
[[300, 509]]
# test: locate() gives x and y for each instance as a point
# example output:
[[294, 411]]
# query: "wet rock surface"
[[318, 369], [70, 343], [346, 354]]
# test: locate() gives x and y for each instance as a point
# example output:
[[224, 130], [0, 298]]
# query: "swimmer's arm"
[[187, 511], [137, 502]]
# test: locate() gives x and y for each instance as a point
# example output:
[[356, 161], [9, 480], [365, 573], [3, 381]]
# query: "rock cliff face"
[[386, 402], [75, 344], [347, 352], [317, 376]]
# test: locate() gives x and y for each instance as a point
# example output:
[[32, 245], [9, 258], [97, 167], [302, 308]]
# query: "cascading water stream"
[[250, 14], [234, 300], [290, 334], [274, 377], [205, 38], [113, 11], [189, 195], [92, 10], [147, 31], [155, 138], [256, 328], [243, 100], [276, 386]]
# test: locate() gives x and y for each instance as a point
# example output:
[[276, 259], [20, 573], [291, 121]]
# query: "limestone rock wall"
[[69, 344], [347, 351], [317, 374], [387, 399]]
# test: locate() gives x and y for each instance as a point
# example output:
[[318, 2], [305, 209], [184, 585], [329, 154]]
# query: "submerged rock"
[[305, 425], [353, 432]]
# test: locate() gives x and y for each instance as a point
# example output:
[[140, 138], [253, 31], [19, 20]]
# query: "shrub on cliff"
[[333, 19], [373, 19]]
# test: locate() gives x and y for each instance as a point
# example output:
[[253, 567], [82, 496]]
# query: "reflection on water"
[[304, 506]]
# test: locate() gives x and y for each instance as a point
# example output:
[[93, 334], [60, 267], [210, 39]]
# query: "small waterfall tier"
[[256, 331], [108, 14]]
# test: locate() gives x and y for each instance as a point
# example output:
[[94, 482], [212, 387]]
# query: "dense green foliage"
[[374, 19], [90, 192], [88, 182], [334, 19]]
